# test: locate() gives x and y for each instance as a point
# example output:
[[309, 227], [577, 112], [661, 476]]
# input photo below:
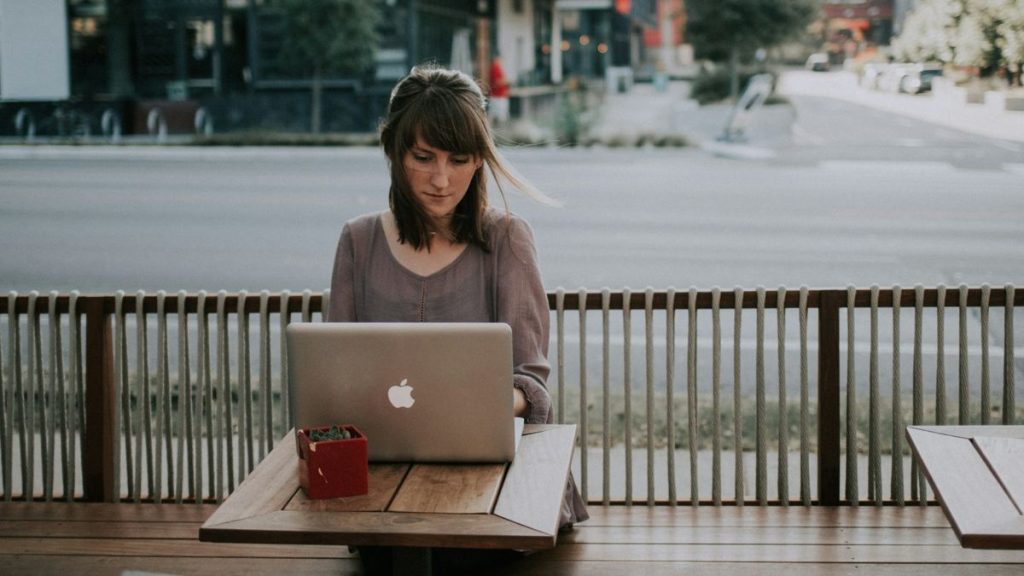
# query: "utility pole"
[[483, 43]]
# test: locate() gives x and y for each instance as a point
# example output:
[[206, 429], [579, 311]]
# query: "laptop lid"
[[420, 392]]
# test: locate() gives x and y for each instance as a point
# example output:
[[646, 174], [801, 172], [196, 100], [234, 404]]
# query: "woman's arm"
[[523, 305], [519, 404]]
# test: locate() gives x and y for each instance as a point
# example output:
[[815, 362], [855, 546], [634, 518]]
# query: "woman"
[[440, 254]]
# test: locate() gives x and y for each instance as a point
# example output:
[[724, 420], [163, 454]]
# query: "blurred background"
[[165, 145], [74, 68]]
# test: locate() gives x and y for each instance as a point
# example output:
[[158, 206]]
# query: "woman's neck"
[[439, 232], [438, 253], [441, 228]]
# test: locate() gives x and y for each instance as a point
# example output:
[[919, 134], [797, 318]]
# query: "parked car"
[[890, 77], [818, 62], [919, 79], [912, 78], [870, 74]]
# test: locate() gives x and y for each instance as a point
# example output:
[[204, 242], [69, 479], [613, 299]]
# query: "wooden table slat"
[[90, 511], [168, 548], [771, 553], [1005, 456], [382, 529], [543, 566], [969, 493], [136, 530], [777, 535], [970, 432], [997, 535], [96, 565], [384, 480], [449, 489], [536, 480], [750, 517], [268, 488]]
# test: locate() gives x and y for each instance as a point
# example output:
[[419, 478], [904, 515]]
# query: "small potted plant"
[[332, 461]]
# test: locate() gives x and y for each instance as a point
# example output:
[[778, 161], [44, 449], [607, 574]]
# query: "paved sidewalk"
[[972, 118], [643, 110], [646, 111]]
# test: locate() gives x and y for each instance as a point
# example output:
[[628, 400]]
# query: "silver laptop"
[[420, 392]]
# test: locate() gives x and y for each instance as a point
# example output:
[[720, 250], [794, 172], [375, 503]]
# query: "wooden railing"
[[70, 368]]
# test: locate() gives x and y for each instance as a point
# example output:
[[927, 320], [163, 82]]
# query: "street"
[[194, 218]]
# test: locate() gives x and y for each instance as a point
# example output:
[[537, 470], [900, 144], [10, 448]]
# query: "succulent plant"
[[332, 433]]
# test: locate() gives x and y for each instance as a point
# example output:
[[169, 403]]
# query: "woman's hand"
[[519, 404]]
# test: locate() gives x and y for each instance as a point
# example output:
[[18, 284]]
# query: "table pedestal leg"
[[412, 561]]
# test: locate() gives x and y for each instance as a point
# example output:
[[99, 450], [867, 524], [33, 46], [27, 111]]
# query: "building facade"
[[856, 27], [128, 56]]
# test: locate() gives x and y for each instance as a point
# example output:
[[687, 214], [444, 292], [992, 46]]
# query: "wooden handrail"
[[593, 300]]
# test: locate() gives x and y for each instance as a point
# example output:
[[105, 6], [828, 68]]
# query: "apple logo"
[[401, 396]]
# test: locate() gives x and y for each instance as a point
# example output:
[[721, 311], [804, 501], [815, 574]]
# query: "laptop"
[[420, 392]]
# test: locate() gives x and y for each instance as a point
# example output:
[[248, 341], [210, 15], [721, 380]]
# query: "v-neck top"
[[369, 284]]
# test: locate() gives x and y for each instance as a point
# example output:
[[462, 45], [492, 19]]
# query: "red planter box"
[[332, 468]]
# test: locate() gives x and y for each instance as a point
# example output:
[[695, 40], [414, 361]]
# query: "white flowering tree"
[[928, 32], [1011, 38], [988, 34]]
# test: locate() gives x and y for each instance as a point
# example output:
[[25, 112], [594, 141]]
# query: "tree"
[[988, 34], [727, 30], [328, 37], [1011, 38], [927, 32]]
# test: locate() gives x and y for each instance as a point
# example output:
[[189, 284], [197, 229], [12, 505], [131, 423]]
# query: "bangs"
[[445, 121]]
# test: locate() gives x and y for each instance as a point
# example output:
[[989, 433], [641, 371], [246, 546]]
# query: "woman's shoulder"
[[502, 223], [508, 233], [361, 226]]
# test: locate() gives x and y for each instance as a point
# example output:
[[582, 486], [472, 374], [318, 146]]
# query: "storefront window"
[[88, 47]]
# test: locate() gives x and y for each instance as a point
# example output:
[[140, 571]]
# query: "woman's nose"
[[439, 175]]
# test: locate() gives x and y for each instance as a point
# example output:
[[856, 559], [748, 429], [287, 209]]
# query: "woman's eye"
[[460, 161], [421, 158]]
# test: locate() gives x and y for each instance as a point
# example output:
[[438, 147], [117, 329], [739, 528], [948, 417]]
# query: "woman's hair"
[[446, 110]]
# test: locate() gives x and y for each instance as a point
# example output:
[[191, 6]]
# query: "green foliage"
[[332, 433], [570, 122], [329, 36], [716, 27], [575, 115], [706, 421]]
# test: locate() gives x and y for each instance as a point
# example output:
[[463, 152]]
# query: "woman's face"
[[438, 179]]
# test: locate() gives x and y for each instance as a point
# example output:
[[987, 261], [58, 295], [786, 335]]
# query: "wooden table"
[[977, 473], [412, 507]]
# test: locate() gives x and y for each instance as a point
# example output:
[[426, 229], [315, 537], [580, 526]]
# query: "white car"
[[818, 62]]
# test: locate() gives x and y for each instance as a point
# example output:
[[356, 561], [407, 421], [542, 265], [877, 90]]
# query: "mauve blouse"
[[504, 285], [370, 285]]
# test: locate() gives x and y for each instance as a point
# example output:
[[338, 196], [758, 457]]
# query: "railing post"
[[828, 397], [100, 403]]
